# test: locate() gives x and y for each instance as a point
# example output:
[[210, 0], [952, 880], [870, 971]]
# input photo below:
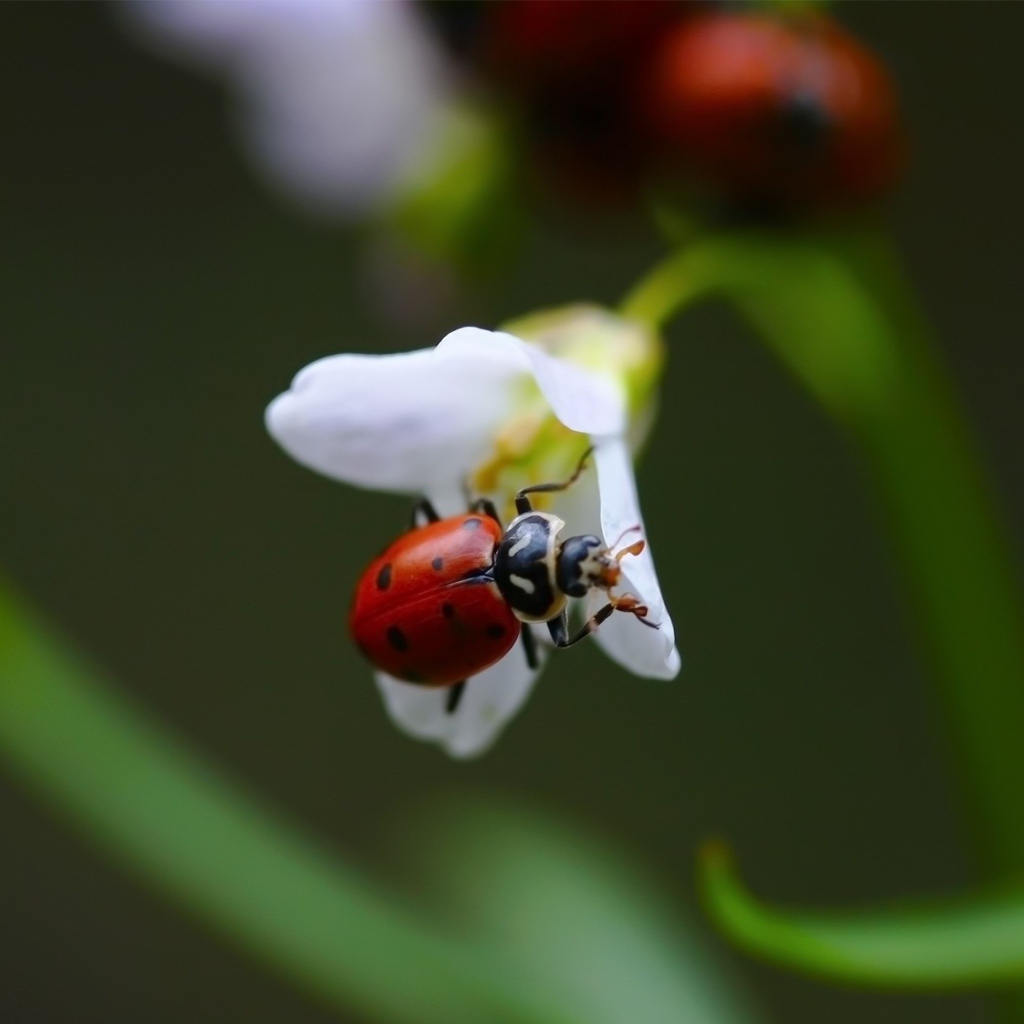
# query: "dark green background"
[[154, 296]]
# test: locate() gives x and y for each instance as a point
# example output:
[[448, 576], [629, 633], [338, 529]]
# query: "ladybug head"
[[585, 562], [582, 563]]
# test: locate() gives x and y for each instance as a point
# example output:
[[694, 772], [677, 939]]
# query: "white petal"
[[413, 423], [642, 650], [216, 28], [341, 118], [422, 421], [488, 702], [582, 400], [580, 505], [338, 98]]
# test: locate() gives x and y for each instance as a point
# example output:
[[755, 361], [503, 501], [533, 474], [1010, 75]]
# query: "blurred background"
[[156, 294]]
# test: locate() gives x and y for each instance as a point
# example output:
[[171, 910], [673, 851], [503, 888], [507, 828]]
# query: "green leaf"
[[171, 818], [955, 944], [577, 918]]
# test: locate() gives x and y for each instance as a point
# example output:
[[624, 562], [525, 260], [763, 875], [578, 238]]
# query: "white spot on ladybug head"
[[523, 542], [527, 586]]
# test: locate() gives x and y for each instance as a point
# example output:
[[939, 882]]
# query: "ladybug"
[[450, 598], [782, 112], [571, 68]]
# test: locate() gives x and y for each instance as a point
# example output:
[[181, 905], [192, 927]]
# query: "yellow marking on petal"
[[533, 446]]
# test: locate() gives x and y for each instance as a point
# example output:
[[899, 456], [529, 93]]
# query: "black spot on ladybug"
[[413, 677], [472, 524], [438, 563], [805, 122], [397, 639], [496, 630], [448, 610], [384, 577]]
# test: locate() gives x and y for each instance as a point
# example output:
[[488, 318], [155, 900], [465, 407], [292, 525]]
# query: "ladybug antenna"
[[618, 540], [523, 502], [634, 549]]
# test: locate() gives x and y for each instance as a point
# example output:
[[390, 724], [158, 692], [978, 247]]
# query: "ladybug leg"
[[451, 705], [628, 603], [423, 510], [486, 506], [559, 627], [529, 647], [523, 502]]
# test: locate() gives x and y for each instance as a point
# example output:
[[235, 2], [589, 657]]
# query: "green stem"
[[162, 812], [837, 313], [957, 945]]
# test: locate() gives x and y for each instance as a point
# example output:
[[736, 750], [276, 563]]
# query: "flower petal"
[[214, 29], [338, 98], [635, 646], [412, 423], [489, 701], [419, 422], [342, 121], [582, 400]]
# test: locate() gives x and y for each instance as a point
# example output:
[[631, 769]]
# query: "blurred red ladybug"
[[450, 598], [782, 111], [534, 44], [571, 69]]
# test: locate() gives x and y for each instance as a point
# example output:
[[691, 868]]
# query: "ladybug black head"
[[582, 563]]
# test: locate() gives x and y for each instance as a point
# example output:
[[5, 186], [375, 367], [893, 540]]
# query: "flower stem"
[[836, 311], [958, 944]]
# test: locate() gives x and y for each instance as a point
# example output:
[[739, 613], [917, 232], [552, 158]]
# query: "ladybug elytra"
[[570, 69], [450, 598], [789, 111]]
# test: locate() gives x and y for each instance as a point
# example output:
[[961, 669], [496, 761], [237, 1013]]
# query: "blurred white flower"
[[493, 411], [337, 99]]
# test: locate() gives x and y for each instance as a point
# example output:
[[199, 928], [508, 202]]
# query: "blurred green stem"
[[953, 945], [163, 812], [836, 311]]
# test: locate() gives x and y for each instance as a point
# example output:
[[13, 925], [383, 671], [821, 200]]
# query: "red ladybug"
[[570, 69], [786, 111], [449, 599]]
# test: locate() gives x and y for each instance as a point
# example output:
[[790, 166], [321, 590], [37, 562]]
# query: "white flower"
[[492, 411], [337, 99]]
